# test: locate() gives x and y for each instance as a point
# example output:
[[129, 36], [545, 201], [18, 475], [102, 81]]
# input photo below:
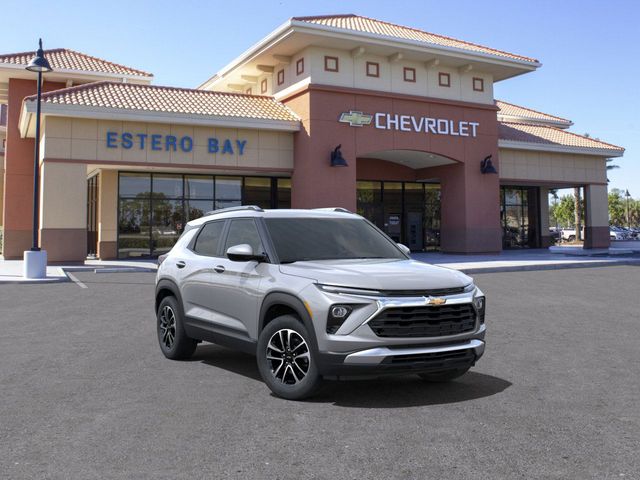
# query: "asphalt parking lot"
[[87, 394]]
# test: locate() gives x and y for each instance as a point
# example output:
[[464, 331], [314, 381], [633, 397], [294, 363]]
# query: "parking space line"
[[75, 280]]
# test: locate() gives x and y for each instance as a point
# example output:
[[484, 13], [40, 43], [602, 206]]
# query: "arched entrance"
[[396, 192]]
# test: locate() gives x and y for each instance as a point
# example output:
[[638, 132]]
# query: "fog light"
[[337, 315]]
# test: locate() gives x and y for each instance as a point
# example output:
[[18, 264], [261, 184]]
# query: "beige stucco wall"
[[63, 196], [352, 73], [82, 139], [597, 205], [108, 206], [551, 167]]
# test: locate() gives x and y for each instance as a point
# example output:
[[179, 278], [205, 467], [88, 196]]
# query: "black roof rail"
[[253, 208]]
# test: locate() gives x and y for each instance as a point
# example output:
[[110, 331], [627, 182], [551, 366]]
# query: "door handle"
[[219, 268], [180, 264]]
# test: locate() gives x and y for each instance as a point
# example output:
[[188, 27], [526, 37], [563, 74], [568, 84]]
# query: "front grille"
[[436, 360], [425, 321], [440, 292]]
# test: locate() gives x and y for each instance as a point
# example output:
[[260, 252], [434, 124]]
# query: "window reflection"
[[153, 208]]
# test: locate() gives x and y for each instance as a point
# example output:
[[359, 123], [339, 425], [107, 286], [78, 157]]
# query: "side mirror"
[[243, 253], [404, 248]]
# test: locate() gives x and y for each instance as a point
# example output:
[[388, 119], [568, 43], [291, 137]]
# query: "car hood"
[[383, 274]]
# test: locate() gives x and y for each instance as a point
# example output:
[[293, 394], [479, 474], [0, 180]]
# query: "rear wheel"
[[286, 359], [571, 238], [174, 342], [444, 376]]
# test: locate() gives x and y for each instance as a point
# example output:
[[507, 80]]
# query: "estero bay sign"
[[411, 123], [171, 143]]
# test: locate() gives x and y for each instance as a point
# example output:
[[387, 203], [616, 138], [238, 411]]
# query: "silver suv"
[[315, 294]]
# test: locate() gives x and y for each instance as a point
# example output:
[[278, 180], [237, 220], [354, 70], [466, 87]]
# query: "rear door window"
[[208, 241]]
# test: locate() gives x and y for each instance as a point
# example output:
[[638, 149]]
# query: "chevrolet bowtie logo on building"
[[356, 119], [436, 301]]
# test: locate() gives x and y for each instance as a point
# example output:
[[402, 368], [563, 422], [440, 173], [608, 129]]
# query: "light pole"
[[627, 195], [35, 260]]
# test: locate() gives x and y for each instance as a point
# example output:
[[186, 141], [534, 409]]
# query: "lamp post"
[[35, 260], [627, 195]]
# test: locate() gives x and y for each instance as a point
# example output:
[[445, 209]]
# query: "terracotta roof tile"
[[369, 25], [511, 110], [154, 98], [547, 135], [65, 59]]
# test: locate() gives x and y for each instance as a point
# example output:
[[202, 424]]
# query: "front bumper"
[[403, 359]]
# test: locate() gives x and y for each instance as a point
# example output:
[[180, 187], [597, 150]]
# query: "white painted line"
[[75, 280]]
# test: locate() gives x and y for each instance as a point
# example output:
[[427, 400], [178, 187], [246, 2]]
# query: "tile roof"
[[547, 135], [65, 59], [154, 98], [369, 25], [511, 110]]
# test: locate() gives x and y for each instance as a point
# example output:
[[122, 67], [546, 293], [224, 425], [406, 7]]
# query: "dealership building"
[[397, 124]]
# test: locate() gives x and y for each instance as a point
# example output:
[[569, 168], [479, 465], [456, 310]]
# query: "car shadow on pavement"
[[381, 392], [409, 391], [230, 360]]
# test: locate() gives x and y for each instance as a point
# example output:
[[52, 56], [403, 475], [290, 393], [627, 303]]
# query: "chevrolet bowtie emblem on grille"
[[436, 301], [356, 119]]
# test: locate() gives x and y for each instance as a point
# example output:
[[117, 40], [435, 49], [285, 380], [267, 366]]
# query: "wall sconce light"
[[337, 160], [486, 166]]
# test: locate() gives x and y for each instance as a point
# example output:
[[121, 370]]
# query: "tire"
[[287, 360], [444, 376], [571, 238], [174, 342]]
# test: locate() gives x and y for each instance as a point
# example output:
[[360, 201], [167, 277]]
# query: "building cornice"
[[127, 115], [545, 147]]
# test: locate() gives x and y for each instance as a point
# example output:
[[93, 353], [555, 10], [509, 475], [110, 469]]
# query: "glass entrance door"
[[409, 212], [519, 207]]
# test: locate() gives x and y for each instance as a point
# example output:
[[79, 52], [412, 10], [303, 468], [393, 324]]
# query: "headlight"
[[337, 315], [481, 305], [469, 288]]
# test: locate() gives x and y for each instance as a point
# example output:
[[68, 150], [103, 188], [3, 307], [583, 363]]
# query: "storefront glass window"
[[198, 187], [228, 192], [153, 208], [284, 193], [257, 191], [135, 184], [167, 186], [133, 227]]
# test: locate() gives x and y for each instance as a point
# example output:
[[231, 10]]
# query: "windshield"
[[298, 239]]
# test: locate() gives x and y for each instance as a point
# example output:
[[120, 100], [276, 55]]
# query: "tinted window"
[[209, 239], [299, 239], [244, 231]]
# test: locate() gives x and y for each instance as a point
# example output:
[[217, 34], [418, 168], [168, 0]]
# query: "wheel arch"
[[276, 304], [166, 288]]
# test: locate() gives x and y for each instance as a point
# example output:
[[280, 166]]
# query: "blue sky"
[[588, 48]]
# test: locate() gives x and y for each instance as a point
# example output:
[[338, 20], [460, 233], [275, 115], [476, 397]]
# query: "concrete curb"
[[552, 266], [124, 270]]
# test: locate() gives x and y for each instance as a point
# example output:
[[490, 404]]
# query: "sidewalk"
[[11, 270], [506, 261], [535, 259]]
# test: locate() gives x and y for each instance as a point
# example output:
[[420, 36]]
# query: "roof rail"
[[334, 209], [253, 208]]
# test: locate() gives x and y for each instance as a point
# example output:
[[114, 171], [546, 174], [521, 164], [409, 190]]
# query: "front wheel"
[[444, 376], [286, 359]]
